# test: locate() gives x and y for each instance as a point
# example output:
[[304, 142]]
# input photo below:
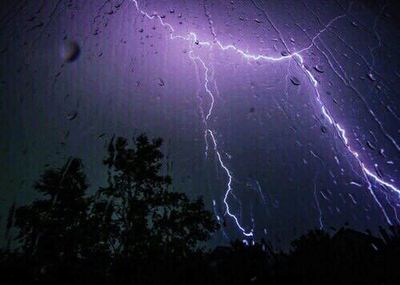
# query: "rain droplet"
[[70, 51], [370, 145], [319, 68], [72, 115], [295, 81], [371, 76]]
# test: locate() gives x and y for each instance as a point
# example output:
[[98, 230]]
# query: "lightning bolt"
[[193, 40]]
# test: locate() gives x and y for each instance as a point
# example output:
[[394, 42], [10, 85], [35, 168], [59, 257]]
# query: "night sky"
[[284, 115]]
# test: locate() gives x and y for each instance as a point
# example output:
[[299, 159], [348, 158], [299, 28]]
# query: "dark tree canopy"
[[136, 230], [52, 226], [147, 217], [135, 218]]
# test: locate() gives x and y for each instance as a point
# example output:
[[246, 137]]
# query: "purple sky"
[[290, 168]]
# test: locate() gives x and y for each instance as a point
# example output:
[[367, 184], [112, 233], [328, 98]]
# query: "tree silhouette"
[[347, 257], [389, 254], [144, 218], [51, 229], [241, 263], [136, 230]]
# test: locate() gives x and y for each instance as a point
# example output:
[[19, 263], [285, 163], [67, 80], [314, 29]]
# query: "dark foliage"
[[134, 230], [118, 234]]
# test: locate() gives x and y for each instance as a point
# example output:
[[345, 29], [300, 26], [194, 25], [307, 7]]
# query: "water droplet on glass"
[[72, 115], [295, 81], [370, 145], [70, 51], [371, 76], [319, 68]]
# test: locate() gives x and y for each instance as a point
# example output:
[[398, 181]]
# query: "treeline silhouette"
[[135, 230]]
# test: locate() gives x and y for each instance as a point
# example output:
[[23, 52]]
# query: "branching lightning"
[[369, 175]]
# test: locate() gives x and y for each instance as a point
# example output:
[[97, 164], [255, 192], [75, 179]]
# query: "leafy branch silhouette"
[[136, 230]]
